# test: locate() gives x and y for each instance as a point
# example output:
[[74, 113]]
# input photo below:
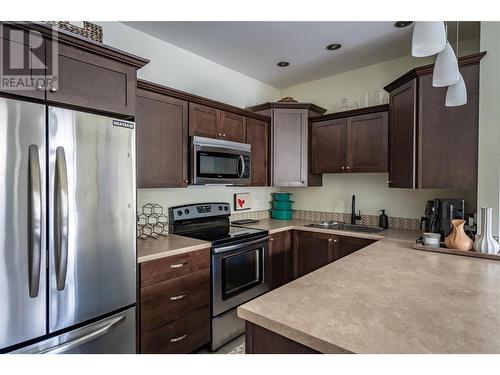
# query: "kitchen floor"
[[237, 346]]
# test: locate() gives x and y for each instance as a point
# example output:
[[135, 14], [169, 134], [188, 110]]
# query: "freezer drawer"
[[113, 335], [92, 254], [22, 222]]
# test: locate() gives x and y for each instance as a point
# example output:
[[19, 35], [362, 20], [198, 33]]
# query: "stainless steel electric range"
[[238, 262]]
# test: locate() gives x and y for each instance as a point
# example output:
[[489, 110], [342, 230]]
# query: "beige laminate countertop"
[[165, 246], [388, 298]]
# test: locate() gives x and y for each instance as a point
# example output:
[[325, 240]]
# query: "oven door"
[[238, 274], [220, 162]]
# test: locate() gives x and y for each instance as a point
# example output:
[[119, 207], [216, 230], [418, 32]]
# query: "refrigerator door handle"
[[61, 348], [61, 218], [34, 221]]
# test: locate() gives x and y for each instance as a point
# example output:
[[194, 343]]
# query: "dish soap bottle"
[[383, 220]]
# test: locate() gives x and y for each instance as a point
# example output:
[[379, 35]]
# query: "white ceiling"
[[254, 48]]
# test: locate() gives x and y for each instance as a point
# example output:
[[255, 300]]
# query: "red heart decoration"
[[241, 202]]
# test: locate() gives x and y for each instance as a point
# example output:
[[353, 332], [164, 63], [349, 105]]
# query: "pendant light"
[[446, 68], [456, 94], [429, 38]]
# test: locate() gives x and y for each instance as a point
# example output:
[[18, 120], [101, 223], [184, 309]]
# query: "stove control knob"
[[226, 208], [220, 208], [179, 212], [186, 211]]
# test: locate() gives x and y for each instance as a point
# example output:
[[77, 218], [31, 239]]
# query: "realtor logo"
[[28, 60]]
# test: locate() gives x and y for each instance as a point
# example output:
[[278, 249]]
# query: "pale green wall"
[[370, 188], [489, 122], [178, 68]]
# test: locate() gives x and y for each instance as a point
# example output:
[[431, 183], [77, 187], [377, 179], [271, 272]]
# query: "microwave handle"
[[241, 166]]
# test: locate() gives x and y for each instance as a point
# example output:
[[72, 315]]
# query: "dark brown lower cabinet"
[[259, 340], [348, 245], [280, 258], [311, 251], [174, 304], [180, 336]]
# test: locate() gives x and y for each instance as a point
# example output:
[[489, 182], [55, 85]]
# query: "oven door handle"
[[224, 249]]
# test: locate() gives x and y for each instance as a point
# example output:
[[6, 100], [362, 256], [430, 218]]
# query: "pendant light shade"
[[456, 94], [446, 68], [429, 38]]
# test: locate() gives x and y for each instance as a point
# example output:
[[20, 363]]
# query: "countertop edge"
[[169, 253], [291, 333]]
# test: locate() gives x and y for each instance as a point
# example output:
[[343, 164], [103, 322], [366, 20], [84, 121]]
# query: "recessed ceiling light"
[[401, 24], [282, 64], [333, 46]]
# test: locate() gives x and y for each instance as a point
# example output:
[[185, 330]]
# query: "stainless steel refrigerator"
[[67, 231]]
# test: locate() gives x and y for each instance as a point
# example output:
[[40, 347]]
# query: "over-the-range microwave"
[[219, 162]]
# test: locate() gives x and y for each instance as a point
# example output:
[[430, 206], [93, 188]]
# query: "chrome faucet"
[[354, 217]]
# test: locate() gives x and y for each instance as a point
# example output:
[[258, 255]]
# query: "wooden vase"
[[458, 239]]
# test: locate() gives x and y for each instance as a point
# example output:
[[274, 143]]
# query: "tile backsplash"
[[152, 224]]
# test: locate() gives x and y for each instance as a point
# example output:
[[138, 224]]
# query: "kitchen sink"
[[346, 226]]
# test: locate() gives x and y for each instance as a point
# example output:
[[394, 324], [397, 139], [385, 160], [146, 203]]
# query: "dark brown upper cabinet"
[[351, 141], [162, 138], [89, 75], [204, 121], [211, 122], [290, 142], [367, 143], [433, 146], [329, 146], [257, 135], [26, 52], [232, 127]]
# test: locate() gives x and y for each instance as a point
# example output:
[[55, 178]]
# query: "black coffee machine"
[[439, 213]]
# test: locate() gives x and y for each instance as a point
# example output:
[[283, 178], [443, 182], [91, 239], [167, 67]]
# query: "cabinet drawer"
[[159, 270], [169, 300], [180, 336]]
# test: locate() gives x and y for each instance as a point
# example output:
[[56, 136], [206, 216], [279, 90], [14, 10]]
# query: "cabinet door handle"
[[335, 240], [342, 167], [219, 134], [348, 168], [389, 182], [176, 298], [186, 181], [271, 239], [52, 89], [180, 338], [178, 265], [330, 239], [223, 134]]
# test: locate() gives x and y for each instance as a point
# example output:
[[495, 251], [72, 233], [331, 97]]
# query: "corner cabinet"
[[432, 146], [290, 140], [350, 141]]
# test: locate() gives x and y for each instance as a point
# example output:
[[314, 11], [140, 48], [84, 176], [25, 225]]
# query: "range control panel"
[[195, 211]]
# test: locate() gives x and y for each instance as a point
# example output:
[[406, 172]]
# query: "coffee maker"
[[439, 213]]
